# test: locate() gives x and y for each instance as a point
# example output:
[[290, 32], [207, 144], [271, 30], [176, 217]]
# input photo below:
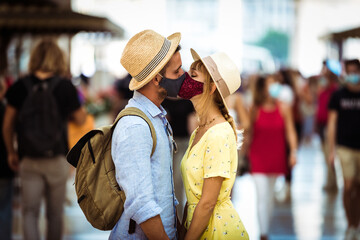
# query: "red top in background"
[[323, 101], [268, 147]]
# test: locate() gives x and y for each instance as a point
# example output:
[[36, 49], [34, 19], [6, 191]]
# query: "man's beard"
[[162, 93]]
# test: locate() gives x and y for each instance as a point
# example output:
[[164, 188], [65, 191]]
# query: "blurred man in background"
[[343, 138], [6, 177]]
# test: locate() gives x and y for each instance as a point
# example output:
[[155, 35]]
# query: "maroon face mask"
[[190, 88]]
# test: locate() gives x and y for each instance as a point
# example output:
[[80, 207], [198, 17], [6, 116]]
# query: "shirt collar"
[[149, 105]]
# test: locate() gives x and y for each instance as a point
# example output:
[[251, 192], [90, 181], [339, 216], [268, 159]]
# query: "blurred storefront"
[[342, 44], [22, 23]]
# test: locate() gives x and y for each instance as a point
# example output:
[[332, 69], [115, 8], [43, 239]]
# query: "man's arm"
[[241, 111], [154, 229], [79, 116], [331, 132], [8, 134], [131, 149]]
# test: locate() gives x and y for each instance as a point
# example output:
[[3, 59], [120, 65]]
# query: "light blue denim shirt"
[[147, 182]]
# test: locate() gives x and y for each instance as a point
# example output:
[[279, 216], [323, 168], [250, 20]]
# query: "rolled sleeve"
[[149, 210], [131, 149]]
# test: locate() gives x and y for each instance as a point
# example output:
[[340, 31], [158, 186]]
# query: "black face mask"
[[172, 86]]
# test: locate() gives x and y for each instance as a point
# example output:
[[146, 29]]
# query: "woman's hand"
[[292, 158]]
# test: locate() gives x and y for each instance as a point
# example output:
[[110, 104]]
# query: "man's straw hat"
[[222, 70], [146, 54]]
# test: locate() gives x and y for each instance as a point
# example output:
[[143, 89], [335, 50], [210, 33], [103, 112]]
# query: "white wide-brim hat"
[[146, 54], [223, 71]]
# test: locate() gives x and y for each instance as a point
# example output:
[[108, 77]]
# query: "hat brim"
[[197, 57], [175, 40]]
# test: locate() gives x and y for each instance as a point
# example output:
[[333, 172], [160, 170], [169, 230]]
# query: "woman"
[[209, 165], [271, 125]]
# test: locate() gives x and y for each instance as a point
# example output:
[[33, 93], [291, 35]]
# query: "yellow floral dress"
[[214, 155]]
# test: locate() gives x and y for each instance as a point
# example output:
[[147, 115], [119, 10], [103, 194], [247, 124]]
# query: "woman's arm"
[[290, 133], [248, 134], [205, 207]]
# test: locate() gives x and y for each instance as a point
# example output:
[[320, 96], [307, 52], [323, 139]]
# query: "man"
[[43, 169], [149, 210], [344, 135]]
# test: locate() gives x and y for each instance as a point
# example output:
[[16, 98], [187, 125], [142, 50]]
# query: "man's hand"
[[13, 161], [181, 230], [331, 158]]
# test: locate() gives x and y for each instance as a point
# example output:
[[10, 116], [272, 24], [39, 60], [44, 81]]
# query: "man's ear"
[[156, 80], [213, 88]]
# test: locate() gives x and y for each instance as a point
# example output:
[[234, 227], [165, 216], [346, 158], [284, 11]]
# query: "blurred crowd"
[[277, 112]]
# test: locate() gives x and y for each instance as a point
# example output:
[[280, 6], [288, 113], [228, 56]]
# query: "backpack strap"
[[133, 111]]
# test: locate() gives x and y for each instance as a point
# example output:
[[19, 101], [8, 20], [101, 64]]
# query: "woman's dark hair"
[[355, 62], [287, 78], [259, 90]]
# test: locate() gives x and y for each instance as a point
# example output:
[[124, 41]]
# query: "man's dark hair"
[[162, 72], [352, 62]]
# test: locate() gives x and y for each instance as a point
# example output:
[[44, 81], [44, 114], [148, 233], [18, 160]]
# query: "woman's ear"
[[213, 88]]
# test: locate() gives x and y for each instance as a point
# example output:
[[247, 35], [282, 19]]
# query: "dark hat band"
[[155, 61]]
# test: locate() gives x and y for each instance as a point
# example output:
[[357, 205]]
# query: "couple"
[[209, 165]]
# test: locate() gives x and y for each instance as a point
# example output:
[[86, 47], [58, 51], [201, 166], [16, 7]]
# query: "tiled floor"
[[311, 214]]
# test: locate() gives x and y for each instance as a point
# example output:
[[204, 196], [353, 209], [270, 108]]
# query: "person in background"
[[308, 96], [239, 113], [344, 139], [328, 83], [123, 94], [43, 172], [271, 127], [75, 131], [290, 95], [6, 177], [209, 165]]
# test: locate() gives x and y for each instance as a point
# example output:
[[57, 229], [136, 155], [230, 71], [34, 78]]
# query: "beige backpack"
[[99, 195]]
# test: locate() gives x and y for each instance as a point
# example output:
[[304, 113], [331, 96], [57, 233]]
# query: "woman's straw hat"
[[222, 70], [146, 54]]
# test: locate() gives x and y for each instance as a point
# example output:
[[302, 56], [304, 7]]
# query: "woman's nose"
[[181, 72]]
